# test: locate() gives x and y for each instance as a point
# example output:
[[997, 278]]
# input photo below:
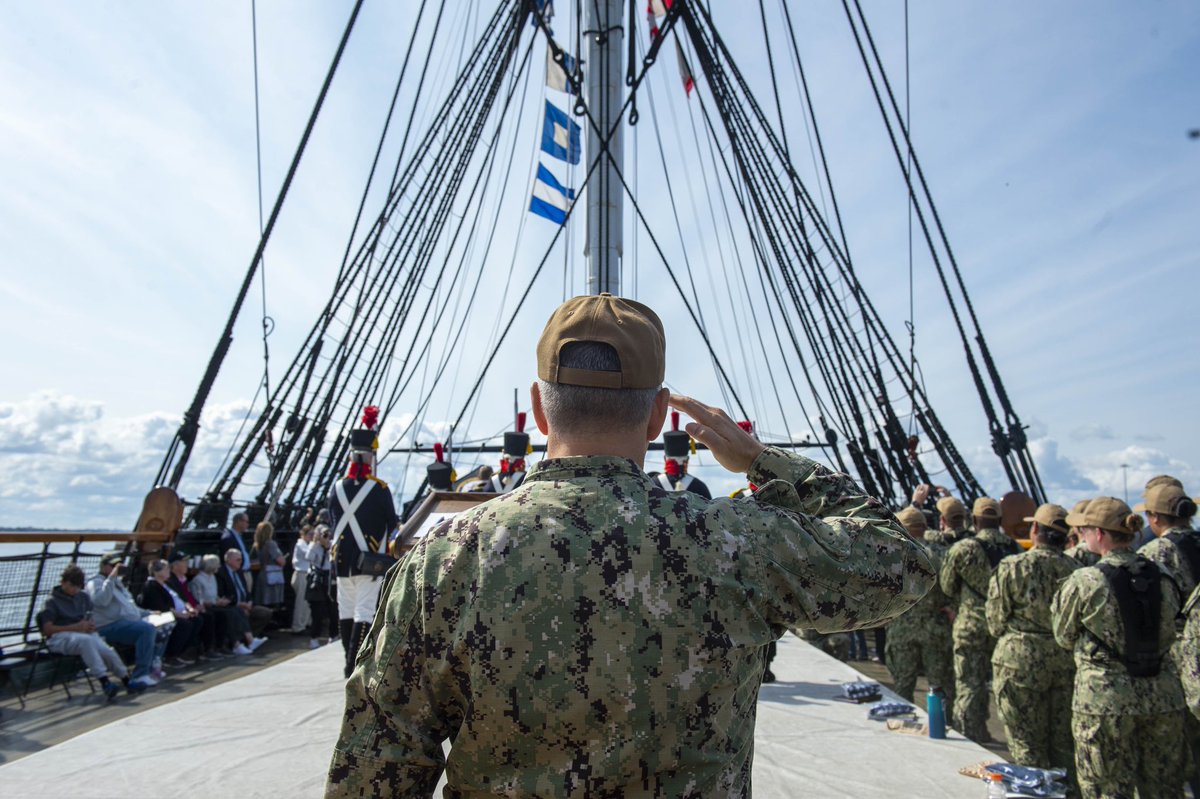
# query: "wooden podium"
[[435, 508]]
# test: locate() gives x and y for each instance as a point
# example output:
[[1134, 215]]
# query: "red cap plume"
[[521, 422], [370, 416], [437, 452], [674, 420], [747, 426]]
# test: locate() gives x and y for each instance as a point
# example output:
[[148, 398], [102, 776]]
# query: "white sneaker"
[[241, 649], [256, 643], [313, 643], [143, 682]]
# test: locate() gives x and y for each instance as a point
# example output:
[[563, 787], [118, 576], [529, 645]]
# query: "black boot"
[[358, 635], [345, 627]]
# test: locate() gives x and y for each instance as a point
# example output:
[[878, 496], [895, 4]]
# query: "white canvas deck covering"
[[270, 735]]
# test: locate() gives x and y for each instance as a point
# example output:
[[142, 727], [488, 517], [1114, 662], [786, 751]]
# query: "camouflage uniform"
[[964, 575], [947, 538], [1127, 729], [1167, 555], [1187, 652], [590, 634], [919, 641], [1031, 674], [1082, 554], [834, 644]]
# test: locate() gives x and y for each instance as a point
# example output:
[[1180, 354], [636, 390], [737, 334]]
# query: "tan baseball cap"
[[912, 518], [1107, 513], [1162, 479], [1052, 516], [986, 506], [951, 507], [629, 327], [1162, 498]]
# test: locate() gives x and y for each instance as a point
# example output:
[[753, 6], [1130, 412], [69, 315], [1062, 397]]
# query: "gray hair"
[[584, 409], [210, 563], [158, 566]]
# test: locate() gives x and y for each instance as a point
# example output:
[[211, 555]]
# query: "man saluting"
[[591, 633]]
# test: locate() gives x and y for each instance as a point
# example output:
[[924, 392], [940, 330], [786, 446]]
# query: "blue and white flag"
[[550, 198], [557, 76], [560, 135], [547, 9]]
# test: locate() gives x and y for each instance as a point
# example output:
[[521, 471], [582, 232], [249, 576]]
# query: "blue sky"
[[1054, 137]]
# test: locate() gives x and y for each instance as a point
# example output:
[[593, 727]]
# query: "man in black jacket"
[[244, 619]]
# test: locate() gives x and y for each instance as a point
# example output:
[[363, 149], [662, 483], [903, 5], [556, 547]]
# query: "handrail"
[[58, 537]]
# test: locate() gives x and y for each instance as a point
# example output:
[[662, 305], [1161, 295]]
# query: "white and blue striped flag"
[[560, 135], [550, 198]]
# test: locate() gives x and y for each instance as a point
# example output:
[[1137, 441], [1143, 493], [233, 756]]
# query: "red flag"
[[685, 72]]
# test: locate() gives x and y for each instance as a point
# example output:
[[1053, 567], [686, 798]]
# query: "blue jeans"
[[139, 635]]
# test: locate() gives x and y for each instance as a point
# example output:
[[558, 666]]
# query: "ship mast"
[[605, 97]]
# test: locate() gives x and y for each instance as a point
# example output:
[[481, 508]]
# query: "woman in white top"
[[301, 614]]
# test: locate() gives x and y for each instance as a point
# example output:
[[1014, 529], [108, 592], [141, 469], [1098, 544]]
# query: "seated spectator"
[[268, 585], [250, 618], [161, 598], [212, 626], [66, 624], [204, 588], [324, 617], [119, 620]]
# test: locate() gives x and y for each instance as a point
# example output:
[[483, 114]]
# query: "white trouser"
[[99, 657], [301, 615], [358, 596]]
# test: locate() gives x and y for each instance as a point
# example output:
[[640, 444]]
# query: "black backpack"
[[1137, 588]]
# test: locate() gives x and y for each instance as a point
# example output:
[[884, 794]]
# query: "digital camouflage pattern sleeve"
[[592, 634]]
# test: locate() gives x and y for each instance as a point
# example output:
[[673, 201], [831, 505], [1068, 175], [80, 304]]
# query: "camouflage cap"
[[112, 558], [951, 507], [629, 327], [1107, 513], [986, 506], [912, 519], [1164, 498], [1052, 516]]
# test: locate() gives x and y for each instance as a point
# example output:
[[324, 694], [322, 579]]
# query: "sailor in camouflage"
[[1032, 675], [952, 522], [592, 634], [919, 641], [964, 575], [1076, 548], [1128, 706], [1176, 550], [1188, 650]]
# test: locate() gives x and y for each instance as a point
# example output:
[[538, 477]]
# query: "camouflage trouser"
[[1116, 754], [972, 670], [835, 644], [1037, 720], [908, 658]]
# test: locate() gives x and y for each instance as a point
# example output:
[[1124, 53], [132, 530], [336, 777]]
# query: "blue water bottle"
[[935, 706]]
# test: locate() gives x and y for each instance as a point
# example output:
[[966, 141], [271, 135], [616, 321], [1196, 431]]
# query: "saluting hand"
[[733, 447]]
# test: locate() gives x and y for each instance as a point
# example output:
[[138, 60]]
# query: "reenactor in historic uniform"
[[1118, 617], [362, 514], [1176, 550], [919, 641], [677, 447], [1075, 547], [1032, 675], [591, 633], [964, 575]]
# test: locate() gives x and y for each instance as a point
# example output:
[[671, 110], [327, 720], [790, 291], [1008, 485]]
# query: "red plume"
[[521, 422], [747, 426], [437, 452], [671, 467], [370, 416], [674, 420]]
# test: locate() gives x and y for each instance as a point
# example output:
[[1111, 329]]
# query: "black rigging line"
[[185, 437]]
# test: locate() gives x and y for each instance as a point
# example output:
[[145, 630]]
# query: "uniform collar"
[[583, 467]]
